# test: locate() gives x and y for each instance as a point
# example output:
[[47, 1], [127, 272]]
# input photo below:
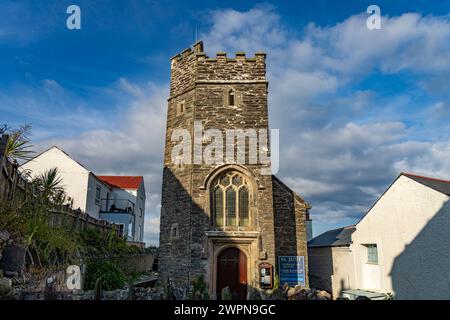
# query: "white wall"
[[331, 269], [78, 182], [74, 176], [343, 270], [92, 206], [138, 198], [411, 226]]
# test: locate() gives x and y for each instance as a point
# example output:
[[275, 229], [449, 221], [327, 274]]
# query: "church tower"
[[223, 220]]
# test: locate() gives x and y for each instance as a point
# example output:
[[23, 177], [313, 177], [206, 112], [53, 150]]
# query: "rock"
[[303, 294], [323, 295], [13, 260], [5, 236], [290, 293]]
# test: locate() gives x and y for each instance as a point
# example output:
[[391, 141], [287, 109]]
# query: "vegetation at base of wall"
[[108, 244], [27, 216], [28, 223], [110, 275], [199, 289], [276, 282]]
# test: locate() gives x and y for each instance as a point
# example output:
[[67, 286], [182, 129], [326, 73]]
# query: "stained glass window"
[[218, 206], [231, 207], [243, 207]]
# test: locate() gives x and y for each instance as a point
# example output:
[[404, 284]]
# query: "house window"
[[230, 201], [372, 253], [98, 194]]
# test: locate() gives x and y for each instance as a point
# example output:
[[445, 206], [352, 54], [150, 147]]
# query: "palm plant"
[[50, 185], [18, 146]]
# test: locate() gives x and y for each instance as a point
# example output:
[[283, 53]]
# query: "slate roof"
[[439, 185], [333, 238]]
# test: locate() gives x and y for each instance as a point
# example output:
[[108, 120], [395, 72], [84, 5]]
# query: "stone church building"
[[226, 222]]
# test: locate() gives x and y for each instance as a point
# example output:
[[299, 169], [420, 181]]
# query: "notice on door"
[[292, 270]]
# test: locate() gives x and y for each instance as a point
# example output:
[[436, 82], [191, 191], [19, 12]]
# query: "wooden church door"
[[232, 273]]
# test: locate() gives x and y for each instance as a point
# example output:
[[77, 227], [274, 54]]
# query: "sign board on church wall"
[[292, 270]]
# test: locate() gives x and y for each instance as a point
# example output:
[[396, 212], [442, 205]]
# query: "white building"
[[401, 246], [122, 202], [125, 204]]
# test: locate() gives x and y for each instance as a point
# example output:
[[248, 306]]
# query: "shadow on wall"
[[321, 268], [183, 252], [422, 270], [285, 223]]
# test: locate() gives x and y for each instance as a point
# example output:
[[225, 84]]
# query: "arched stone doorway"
[[232, 273]]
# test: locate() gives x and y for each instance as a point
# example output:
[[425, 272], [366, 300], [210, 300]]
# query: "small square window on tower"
[[231, 98], [174, 234], [180, 108]]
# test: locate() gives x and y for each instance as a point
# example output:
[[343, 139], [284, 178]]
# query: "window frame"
[[372, 253], [231, 95], [221, 203], [181, 108], [98, 194]]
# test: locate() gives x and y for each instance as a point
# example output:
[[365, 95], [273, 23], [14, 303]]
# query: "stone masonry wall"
[[201, 85], [290, 227]]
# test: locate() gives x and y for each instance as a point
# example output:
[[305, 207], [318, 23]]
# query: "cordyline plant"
[[49, 184], [18, 147]]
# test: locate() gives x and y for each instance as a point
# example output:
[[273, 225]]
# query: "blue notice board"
[[292, 270]]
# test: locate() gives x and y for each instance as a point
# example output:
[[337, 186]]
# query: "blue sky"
[[355, 107]]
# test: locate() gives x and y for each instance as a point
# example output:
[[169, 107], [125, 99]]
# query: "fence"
[[13, 185]]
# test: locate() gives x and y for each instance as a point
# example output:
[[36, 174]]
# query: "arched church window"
[[230, 201]]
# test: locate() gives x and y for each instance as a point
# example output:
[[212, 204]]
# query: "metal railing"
[[116, 206]]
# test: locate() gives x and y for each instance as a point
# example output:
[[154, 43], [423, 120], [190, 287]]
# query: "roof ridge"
[[424, 177]]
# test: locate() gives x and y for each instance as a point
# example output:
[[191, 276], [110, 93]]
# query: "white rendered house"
[[97, 195], [125, 204], [400, 246]]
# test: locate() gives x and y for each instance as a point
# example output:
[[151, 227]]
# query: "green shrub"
[[110, 275], [199, 289]]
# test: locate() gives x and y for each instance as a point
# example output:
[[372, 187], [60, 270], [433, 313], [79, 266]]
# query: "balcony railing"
[[116, 206]]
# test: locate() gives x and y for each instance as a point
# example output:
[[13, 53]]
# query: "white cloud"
[[131, 144], [341, 146], [338, 149]]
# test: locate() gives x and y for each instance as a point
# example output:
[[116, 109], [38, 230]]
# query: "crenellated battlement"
[[220, 57], [193, 66]]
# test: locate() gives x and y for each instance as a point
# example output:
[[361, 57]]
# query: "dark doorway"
[[232, 272]]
